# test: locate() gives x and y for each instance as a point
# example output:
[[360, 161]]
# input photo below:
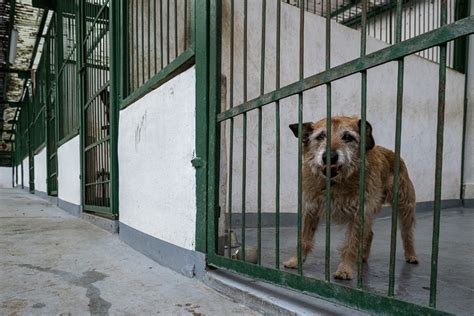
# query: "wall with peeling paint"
[[156, 145], [69, 168], [5, 177]]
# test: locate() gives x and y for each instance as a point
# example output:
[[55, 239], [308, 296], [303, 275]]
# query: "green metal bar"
[[167, 31], [464, 125], [439, 162], [443, 34], [161, 34], [155, 51], [231, 144], [363, 121], [300, 141], [175, 29], [149, 42], [177, 66], [215, 28], [260, 128], [244, 132], [398, 140], [205, 125], [334, 292], [327, 255], [143, 40], [277, 139], [460, 45]]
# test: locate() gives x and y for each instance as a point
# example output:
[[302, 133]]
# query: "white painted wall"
[[419, 116], [26, 172], [69, 170], [469, 158], [5, 177], [40, 172], [156, 146]]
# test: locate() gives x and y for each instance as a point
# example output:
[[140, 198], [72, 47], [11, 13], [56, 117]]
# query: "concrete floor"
[[54, 264], [455, 267]]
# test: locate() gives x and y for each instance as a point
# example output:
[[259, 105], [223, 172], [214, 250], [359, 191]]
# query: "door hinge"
[[198, 162]]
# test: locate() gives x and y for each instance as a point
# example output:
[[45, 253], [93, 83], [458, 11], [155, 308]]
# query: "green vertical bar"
[[185, 25], [205, 126], [167, 32], [300, 140], [277, 139], [327, 259], [398, 137], [143, 40], [214, 131], [154, 38], [231, 145], [115, 78], [439, 162], [244, 132], [161, 34], [176, 28], [259, 163], [362, 146], [149, 42], [465, 108]]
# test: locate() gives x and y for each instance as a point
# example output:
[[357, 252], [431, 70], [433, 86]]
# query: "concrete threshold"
[[270, 299]]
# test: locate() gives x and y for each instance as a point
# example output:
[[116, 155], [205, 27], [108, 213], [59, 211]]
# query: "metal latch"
[[198, 162]]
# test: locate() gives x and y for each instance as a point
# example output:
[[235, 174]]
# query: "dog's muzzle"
[[335, 168]]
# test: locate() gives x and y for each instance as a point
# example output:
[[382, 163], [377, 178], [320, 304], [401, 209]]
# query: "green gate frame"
[[208, 48]]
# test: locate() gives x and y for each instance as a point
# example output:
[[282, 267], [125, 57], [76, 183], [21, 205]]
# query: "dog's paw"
[[343, 272], [413, 259], [291, 263]]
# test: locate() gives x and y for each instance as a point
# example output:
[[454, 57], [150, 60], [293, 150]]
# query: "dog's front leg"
[[310, 224], [348, 253]]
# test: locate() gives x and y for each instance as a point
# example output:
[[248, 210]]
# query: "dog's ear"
[[307, 130], [369, 139]]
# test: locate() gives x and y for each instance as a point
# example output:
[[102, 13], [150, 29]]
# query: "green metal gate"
[[49, 57], [358, 297], [94, 42]]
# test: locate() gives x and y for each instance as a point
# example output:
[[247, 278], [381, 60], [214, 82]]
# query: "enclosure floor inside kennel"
[[412, 282]]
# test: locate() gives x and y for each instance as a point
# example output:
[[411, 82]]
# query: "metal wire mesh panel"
[[97, 107]]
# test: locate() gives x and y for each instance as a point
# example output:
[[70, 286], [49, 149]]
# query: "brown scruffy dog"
[[344, 163]]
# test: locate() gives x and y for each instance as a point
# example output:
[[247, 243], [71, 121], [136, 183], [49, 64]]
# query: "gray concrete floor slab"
[[455, 265], [52, 263]]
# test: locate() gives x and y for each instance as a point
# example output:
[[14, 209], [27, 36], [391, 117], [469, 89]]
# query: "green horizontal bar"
[[177, 66], [39, 148], [355, 298], [96, 94], [97, 143], [97, 183], [98, 209], [436, 37], [68, 137]]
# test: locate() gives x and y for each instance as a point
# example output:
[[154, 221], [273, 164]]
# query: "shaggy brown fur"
[[344, 162]]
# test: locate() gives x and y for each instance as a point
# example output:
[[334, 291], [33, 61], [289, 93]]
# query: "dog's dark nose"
[[334, 157]]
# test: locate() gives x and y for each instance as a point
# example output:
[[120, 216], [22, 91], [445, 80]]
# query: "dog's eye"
[[321, 136], [348, 137]]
